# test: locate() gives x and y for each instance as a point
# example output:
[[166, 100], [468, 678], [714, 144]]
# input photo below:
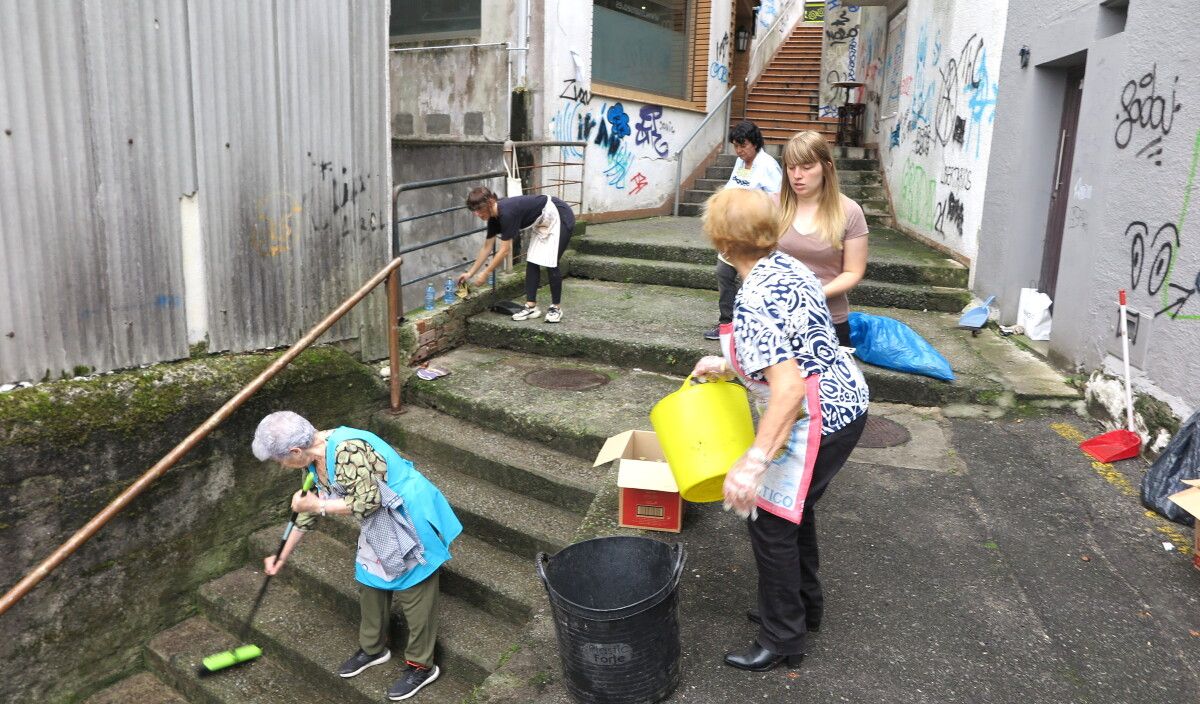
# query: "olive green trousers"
[[419, 604]]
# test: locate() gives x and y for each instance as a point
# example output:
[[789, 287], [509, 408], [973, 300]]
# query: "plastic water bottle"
[[492, 279], [430, 295], [448, 291]]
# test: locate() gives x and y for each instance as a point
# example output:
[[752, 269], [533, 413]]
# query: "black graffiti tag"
[[1144, 108], [1162, 247]]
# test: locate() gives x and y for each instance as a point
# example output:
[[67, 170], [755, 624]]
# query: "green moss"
[[66, 413], [541, 679], [1156, 414], [507, 654]]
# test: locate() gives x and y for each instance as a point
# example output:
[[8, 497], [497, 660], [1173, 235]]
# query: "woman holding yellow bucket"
[[783, 346]]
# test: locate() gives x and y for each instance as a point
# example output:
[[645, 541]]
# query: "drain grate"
[[881, 432], [566, 379]]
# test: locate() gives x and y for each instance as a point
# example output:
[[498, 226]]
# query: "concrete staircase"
[[513, 500], [786, 97], [514, 459]]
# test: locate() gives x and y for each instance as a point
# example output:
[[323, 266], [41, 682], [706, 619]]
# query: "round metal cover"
[[881, 432], [566, 379]]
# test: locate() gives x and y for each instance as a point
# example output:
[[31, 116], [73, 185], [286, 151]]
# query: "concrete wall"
[[936, 143], [852, 49], [1128, 223], [70, 447]]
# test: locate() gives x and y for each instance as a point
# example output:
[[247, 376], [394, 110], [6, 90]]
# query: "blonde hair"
[[810, 147], [740, 223]]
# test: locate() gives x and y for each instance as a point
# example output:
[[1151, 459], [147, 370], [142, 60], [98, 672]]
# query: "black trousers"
[[790, 600], [727, 288], [533, 273]]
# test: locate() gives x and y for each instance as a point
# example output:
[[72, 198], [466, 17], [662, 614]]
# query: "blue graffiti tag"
[[647, 129]]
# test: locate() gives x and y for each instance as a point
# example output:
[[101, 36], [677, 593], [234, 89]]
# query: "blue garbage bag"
[[1179, 460], [889, 343]]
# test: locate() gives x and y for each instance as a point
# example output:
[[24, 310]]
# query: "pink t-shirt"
[[823, 259]]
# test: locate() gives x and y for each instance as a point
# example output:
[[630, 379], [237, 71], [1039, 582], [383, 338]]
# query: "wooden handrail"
[[81, 536]]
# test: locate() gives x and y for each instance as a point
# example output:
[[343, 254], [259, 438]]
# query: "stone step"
[[142, 688], [487, 388], [874, 218], [274, 678], [860, 178], [719, 173], [659, 328], [861, 193], [535, 471], [497, 581], [893, 256], [702, 276], [315, 636]]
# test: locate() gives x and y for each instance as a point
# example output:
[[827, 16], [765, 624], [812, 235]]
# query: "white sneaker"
[[554, 314], [528, 314]]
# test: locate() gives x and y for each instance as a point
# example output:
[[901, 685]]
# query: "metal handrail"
[[724, 102], [758, 47], [510, 150], [81, 536]]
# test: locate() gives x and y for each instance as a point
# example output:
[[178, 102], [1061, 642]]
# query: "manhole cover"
[[881, 432], [566, 379]]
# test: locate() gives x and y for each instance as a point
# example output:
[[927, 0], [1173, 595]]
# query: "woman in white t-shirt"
[[755, 169]]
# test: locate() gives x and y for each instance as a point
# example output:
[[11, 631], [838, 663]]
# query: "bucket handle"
[[680, 560], [539, 565]]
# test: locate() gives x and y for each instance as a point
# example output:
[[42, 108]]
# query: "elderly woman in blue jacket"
[[407, 527]]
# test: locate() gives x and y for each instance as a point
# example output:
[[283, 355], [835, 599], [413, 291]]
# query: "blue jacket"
[[431, 515]]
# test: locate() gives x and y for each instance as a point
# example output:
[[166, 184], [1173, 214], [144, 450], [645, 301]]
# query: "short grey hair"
[[279, 432]]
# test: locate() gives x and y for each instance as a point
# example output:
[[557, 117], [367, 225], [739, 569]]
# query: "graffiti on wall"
[[326, 209], [1154, 259], [837, 31], [918, 193], [1145, 113], [648, 131]]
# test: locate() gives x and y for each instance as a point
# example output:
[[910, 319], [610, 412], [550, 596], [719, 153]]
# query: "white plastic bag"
[[512, 184], [1033, 314]]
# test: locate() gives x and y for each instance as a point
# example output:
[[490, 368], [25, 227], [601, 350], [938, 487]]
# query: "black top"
[[518, 213]]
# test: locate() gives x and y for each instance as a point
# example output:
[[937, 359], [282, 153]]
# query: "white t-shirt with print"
[[763, 174]]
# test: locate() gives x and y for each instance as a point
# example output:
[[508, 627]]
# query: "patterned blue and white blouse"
[[780, 314]]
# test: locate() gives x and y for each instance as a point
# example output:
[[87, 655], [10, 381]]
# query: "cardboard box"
[[649, 496], [1189, 500]]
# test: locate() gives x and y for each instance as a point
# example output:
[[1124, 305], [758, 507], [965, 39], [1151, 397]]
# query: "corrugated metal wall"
[[273, 114]]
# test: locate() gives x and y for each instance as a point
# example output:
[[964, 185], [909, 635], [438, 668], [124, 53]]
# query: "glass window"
[[642, 45], [432, 19]]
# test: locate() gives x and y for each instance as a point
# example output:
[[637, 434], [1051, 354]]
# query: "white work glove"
[[742, 483], [710, 368]]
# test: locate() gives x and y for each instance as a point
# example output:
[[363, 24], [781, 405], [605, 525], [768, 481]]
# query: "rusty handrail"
[[81, 536]]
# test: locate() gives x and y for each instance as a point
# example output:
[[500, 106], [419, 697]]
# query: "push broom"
[[246, 653], [1124, 443]]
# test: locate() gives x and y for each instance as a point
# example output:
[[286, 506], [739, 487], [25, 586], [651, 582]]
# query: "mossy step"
[[893, 256], [702, 276], [497, 457], [860, 192], [659, 328], [142, 688], [720, 173], [487, 387], [176, 653], [492, 578], [860, 178], [314, 636]]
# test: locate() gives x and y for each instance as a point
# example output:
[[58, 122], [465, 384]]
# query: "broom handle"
[[262, 591], [1125, 359]]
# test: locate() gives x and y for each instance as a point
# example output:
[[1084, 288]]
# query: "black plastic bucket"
[[616, 612]]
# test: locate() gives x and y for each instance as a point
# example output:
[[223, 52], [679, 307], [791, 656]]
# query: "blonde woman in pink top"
[[824, 229]]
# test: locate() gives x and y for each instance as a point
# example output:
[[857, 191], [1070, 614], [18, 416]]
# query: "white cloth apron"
[[785, 484], [544, 235]]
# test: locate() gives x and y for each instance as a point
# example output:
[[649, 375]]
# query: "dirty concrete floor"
[[983, 561]]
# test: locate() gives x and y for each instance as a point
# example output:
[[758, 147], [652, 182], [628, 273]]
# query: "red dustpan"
[[1118, 444]]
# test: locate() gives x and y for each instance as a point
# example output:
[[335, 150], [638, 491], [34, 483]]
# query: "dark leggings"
[[533, 273]]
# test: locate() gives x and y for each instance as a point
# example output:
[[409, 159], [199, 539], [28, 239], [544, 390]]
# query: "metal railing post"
[[395, 319], [722, 107]]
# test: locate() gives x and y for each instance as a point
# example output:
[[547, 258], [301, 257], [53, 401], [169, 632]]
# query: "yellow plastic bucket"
[[703, 429]]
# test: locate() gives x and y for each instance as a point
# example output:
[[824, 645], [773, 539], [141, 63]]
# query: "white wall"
[[720, 51], [935, 148]]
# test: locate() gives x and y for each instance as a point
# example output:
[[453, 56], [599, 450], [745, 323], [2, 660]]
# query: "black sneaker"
[[412, 682], [361, 661], [714, 334]]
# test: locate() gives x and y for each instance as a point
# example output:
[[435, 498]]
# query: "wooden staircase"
[[786, 97]]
